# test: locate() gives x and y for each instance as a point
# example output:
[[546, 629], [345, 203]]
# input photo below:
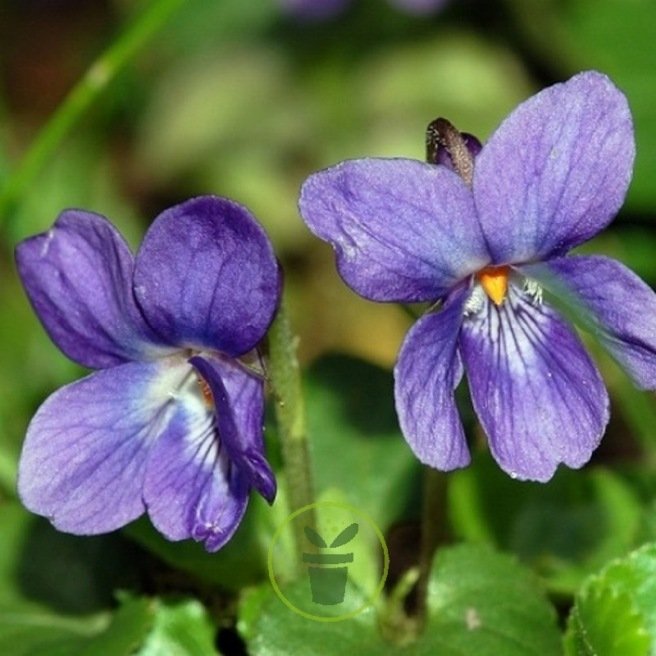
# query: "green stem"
[[284, 372], [94, 81], [433, 532]]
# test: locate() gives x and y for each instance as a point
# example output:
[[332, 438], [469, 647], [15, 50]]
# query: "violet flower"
[[552, 176], [171, 423]]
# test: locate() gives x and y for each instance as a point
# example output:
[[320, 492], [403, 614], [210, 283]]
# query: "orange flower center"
[[494, 280], [208, 397]]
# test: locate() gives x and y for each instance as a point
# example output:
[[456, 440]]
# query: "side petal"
[[539, 397], [83, 460], [614, 302], [239, 401], [192, 489], [426, 374], [556, 171], [206, 276], [402, 230], [78, 277]]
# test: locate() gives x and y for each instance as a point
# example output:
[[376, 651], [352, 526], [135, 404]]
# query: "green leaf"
[[35, 632], [181, 628], [615, 611], [565, 529], [479, 602]]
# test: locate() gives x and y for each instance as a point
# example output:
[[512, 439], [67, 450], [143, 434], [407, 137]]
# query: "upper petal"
[[402, 230], [78, 277], [83, 459], [206, 276], [425, 377], [614, 302], [556, 171], [239, 401], [539, 397]]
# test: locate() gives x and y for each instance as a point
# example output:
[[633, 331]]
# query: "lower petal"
[[539, 397], [425, 377], [192, 490], [239, 400], [83, 459], [614, 302]]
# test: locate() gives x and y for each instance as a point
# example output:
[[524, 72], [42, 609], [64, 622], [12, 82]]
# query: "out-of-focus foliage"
[[243, 99]]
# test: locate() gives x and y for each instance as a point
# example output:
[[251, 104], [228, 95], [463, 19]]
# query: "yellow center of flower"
[[494, 280]]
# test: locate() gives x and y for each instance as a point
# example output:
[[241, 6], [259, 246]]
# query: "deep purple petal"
[[556, 171], [539, 397], [78, 277], [83, 459], [191, 489], [402, 230], [206, 276], [614, 302], [239, 400], [425, 377]]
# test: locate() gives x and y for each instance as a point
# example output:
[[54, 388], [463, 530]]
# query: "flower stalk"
[[285, 377]]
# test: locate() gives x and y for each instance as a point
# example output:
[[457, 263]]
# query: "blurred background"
[[245, 98]]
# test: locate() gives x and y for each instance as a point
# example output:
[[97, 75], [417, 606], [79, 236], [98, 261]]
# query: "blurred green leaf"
[[615, 611], [479, 602], [181, 628], [41, 567], [356, 444], [565, 529], [240, 563]]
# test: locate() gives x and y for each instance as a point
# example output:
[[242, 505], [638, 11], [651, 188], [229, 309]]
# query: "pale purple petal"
[[206, 276], [78, 277], [538, 395], [192, 490], [402, 230], [239, 400], [425, 377], [614, 302], [83, 460], [419, 7], [556, 171]]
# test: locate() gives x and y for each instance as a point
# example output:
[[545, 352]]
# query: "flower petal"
[[83, 459], [78, 277], [539, 397], [425, 377], [206, 276], [192, 489], [556, 171], [616, 304], [402, 230], [239, 401]]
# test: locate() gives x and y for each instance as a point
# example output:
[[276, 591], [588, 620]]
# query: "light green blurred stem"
[[285, 376], [83, 94]]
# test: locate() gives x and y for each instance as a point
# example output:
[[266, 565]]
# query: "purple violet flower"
[[552, 176], [171, 423]]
